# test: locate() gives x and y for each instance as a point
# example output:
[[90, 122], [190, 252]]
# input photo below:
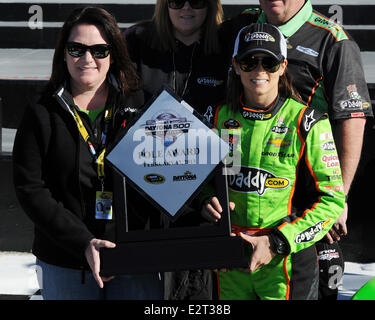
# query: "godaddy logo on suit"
[[257, 180], [310, 233]]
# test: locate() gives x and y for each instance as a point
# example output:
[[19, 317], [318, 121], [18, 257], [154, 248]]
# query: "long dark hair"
[[121, 67], [235, 89]]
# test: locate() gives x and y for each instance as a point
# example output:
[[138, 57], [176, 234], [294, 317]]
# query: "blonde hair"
[[165, 40]]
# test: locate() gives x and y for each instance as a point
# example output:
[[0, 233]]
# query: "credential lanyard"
[[99, 158]]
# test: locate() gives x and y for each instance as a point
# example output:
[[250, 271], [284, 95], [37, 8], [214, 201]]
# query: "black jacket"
[[55, 176], [198, 78]]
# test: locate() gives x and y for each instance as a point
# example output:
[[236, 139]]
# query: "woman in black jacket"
[[179, 47], [60, 177]]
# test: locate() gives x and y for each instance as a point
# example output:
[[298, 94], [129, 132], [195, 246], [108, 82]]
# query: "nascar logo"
[[154, 178]]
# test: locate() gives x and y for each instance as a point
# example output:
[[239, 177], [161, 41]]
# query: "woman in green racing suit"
[[288, 191]]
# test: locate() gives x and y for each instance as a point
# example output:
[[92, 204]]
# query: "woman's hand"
[[262, 253], [212, 209], [93, 258]]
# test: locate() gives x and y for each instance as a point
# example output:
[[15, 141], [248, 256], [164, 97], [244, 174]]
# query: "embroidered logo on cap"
[[263, 36]]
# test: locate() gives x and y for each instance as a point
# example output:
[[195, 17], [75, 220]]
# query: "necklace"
[[189, 74]]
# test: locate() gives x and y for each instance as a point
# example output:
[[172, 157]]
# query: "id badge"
[[103, 205]]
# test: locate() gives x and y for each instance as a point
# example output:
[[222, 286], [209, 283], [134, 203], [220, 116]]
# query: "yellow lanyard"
[[86, 137]]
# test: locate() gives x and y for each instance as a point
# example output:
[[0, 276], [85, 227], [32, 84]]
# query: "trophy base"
[[174, 255]]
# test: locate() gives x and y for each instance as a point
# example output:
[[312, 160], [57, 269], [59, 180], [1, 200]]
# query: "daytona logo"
[[250, 180], [310, 233]]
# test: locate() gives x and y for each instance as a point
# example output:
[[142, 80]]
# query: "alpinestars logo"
[[250, 180], [309, 120], [208, 115]]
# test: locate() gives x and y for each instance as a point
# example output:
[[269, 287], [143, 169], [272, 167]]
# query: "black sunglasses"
[[194, 4], [76, 50], [269, 64]]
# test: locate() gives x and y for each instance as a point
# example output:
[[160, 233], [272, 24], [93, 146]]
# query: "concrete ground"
[[18, 277]]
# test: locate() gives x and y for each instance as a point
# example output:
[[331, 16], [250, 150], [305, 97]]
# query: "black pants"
[[331, 269], [190, 285]]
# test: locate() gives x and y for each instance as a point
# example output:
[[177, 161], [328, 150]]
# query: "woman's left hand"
[[262, 253], [93, 258]]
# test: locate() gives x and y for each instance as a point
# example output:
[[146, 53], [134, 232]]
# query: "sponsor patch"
[[255, 115], [310, 233], [280, 154], [256, 36], [355, 100], [339, 188], [328, 255], [327, 23], [336, 175], [331, 160], [280, 127], [308, 51], [328, 146], [279, 142], [326, 136], [209, 82], [231, 124], [251, 180]]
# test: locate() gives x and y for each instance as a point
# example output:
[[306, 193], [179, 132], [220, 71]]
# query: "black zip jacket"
[[198, 78], [56, 179]]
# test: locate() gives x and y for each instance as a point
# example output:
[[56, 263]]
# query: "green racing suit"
[[289, 183]]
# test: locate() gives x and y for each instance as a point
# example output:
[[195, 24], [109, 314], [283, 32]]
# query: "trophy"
[[169, 154]]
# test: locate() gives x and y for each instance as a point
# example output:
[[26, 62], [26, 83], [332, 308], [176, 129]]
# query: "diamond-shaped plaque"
[[168, 154]]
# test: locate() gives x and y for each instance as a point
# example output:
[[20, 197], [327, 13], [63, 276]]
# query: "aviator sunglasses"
[[194, 4], [269, 64], [76, 50]]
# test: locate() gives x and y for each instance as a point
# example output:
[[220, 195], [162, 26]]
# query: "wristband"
[[277, 245]]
